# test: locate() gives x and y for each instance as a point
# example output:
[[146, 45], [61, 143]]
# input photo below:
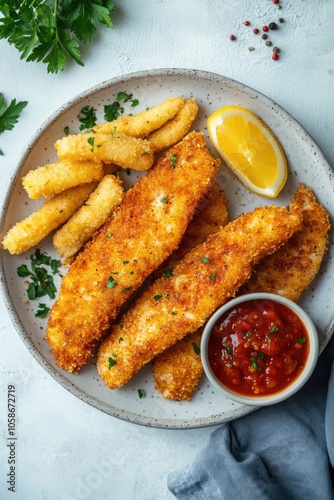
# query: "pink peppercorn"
[[255, 31], [265, 28], [233, 37], [275, 57], [275, 1], [246, 23]]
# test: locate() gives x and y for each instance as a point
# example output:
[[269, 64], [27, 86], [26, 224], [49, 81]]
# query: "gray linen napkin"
[[285, 451]]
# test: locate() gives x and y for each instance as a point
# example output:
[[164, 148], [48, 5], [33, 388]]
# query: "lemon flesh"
[[250, 149]]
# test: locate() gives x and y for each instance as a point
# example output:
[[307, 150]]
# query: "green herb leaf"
[[42, 311], [205, 260], [254, 364], [9, 115], [168, 272], [87, 118], [141, 393], [196, 348], [302, 340], [112, 361], [157, 297], [50, 31], [164, 200], [111, 283], [115, 109], [126, 290], [228, 349], [212, 276], [273, 329], [172, 160]]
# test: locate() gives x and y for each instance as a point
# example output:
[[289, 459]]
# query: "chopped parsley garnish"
[[228, 349], [254, 364], [302, 340], [42, 311], [174, 313], [112, 361], [115, 109], [168, 272], [273, 329], [267, 339], [205, 260], [164, 200], [66, 130], [157, 297], [212, 276], [260, 355], [120, 339], [10, 114], [196, 348], [40, 280], [111, 283], [141, 393], [109, 235], [126, 290], [172, 160], [91, 141], [87, 117]]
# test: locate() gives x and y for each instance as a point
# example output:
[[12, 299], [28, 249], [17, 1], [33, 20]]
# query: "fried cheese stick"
[[72, 236], [206, 277], [57, 177], [144, 230], [175, 129], [144, 123], [177, 370], [51, 215], [123, 150], [288, 272]]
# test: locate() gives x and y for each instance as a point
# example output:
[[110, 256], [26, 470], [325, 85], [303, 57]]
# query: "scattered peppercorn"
[[268, 43], [281, 20], [264, 36], [251, 48], [265, 28], [255, 31], [275, 57], [273, 26], [233, 37], [276, 50], [275, 1], [246, 23]]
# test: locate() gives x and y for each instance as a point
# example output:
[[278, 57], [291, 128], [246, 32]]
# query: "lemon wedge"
[[250, 149]]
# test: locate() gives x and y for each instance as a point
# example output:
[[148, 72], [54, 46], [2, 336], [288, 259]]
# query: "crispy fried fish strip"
[[178, 369], [288, 272], [145, 229], [144, 123], [291, 270], [206, 277]]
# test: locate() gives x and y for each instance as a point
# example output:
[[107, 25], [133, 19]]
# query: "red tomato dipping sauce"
[[258, 348]]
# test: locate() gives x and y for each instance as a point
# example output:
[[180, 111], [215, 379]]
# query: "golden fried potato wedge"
[[173, 131], [57, 177], [71, 237], [125, 151], [144, 123], [52, 214]]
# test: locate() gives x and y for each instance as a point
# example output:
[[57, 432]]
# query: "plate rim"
[[126, 415]]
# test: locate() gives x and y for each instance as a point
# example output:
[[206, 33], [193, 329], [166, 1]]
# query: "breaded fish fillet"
[[178, 369], [291, 269], [145, 229], [206, 277], [288, 272]]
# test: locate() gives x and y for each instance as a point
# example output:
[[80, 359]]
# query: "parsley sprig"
[[50, 31], [40, 282], [10, 114]]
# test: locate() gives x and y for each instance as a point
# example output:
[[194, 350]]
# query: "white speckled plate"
[[306, 164]]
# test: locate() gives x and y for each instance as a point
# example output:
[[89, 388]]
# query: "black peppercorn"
[[273, 26]]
